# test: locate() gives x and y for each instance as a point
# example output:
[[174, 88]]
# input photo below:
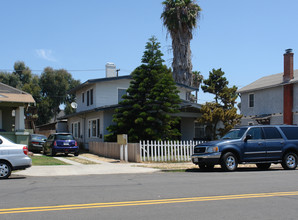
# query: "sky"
[[246, 38]]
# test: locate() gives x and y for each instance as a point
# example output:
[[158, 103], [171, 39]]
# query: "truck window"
[[271, 133], [256, 133], [290, 132]]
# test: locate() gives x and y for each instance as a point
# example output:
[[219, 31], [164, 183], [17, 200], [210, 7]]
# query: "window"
[[256, 133], [76, 129], [271, 133], [121, 92], [87, 98], [94, 128], [199, 131], [83, 97], [187, 96], [290, 132], [251, 101], [91, 97]]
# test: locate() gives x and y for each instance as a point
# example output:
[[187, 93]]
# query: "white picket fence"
[[163, 151]]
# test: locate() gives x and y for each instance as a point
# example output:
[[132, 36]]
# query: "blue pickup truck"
[[260, 145]]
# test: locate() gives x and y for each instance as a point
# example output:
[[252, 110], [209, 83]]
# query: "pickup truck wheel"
[[229, 162], [5, 170], [289, 161], [263, 166]]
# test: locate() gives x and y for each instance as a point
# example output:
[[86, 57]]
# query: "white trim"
[[76, 133], [90, 135]]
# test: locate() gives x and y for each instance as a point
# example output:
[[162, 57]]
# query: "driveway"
[[101, 166]]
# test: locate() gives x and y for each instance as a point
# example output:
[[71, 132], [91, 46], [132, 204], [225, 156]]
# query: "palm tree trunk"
[[182, 66]]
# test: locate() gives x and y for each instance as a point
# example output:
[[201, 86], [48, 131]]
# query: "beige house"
[[13, 103]]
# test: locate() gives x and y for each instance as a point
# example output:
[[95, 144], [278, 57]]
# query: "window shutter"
[[91, 97]]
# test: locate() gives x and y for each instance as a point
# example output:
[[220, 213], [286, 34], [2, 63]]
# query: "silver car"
[[12, 157]]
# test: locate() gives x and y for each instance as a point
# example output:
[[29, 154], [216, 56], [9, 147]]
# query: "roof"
[[183, 105], [11, 94], [92, 81], [106, 79], [268, 82]]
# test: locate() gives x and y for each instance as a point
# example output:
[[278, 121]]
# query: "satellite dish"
[[74, 105]]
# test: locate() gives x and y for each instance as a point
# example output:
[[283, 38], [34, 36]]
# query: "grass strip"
[[46, 161]]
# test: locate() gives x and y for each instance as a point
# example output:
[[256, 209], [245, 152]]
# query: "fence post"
[[155, 159], [141, 159], [158, 151], [169, 151]]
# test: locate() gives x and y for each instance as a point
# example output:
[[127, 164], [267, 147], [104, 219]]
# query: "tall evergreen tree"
[[151, 97]]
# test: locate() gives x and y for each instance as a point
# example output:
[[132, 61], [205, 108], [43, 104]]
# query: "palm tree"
[[180, 18]]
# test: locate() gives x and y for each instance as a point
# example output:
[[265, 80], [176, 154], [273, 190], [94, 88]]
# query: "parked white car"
[[12, 157]]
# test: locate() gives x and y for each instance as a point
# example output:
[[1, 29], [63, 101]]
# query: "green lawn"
[[46, 161]]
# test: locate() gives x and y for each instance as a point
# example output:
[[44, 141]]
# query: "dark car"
[[261, 145], [61, 143], [36, 142]]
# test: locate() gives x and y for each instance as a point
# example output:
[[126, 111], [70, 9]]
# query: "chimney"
[[288, 87], [111, 70], [288, 66]]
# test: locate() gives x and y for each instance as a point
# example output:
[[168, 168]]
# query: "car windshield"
[[64, 137], [235, 133], [38, 137]]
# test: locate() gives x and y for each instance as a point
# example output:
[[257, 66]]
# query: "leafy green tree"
[[54, 86], [10, 79], [33, 88], [215, 83], [22, 72], [180, 18], [221, 115], [151, 97]]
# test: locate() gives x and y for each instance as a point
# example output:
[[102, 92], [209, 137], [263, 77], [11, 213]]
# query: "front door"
[[274, 143], [255, 148]]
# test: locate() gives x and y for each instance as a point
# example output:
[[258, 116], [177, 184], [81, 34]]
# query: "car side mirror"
[[247, 137]]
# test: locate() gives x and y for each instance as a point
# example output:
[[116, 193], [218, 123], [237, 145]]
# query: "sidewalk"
[[102, 166]]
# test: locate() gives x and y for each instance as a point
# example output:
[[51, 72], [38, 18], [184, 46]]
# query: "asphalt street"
[[245, 194]]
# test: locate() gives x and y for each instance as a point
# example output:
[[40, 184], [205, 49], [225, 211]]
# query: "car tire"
[[5, 170], [229, 162], [263, 166], [289, 161], [76, 154]]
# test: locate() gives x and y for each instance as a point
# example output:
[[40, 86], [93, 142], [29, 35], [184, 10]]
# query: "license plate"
[[65, 143]]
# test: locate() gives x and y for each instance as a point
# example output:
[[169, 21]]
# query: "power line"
[[55, 69]]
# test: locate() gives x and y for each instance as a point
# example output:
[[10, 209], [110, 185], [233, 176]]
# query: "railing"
[[162, 151]]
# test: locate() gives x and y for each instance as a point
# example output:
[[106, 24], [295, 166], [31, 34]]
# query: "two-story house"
[[272, 99], [97, 100]]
